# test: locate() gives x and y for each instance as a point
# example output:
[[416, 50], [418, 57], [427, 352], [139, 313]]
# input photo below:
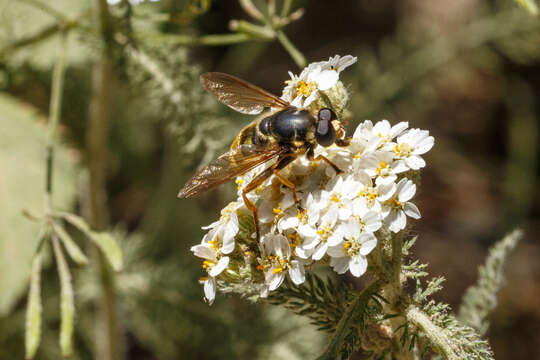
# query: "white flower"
[[410, 146], [351, 250], [303, 90], [316, 237], [214, 264], [371, 137], [396, 210], [375, 195], [338, 63], [277, 261], [223, 231], [381, 166]]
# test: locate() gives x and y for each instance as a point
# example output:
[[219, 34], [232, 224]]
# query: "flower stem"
[[204, 40], [54, 117], [437, 335], [297, 56], [108, 336], [359, 302]]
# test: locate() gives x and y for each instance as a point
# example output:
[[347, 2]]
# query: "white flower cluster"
[[342, 214]]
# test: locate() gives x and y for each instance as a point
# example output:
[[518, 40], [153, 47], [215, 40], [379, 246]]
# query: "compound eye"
[[326, 114], [325, 133]]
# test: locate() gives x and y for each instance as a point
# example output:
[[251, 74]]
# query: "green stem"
[[297, 56], [397, 256], [108, 336], [204, 40], [359, 302], [286, 8], [254, 31], [54, 117], [43, 34], [251, 10], [438, 336]]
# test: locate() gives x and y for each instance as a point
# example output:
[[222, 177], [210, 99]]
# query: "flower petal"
[[407, 189], [340, 265], [296, 272], [369, 242], [210, 290], [219, 267], [411, 210], [358, 265], [320, 251], [203, 251]]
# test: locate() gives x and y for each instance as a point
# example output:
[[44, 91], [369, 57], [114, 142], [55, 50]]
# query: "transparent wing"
[[228, 166], [239, 94]]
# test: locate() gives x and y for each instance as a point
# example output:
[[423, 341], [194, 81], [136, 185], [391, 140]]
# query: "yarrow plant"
[[355, 221], [341, 213]]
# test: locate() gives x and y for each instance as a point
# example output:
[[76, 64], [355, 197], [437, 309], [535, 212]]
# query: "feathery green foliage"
[[481, 299]]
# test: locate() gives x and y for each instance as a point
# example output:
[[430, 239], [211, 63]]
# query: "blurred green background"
[[468, 71]]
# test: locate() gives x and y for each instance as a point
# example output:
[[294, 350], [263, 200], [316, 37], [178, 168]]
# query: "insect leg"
[[311, 157], [258, 180], [280, 165], [344, 142]]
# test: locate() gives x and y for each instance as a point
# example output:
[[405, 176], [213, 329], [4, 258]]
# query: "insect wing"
[[240, 95], [228, 166]]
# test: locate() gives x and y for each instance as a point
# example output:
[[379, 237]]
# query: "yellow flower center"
[[294, 239], [403, 149], [277, 270], [305, 88], [382, 165], [352, 247], [395, 203], [369, 193]]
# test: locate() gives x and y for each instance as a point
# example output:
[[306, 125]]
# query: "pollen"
[[277, 270], [382, 165], [260, 267], [206, 264], [335, 198], [347, 245], [204, 278], [277, 211], [239, 181], [320, 232], [305, 88], [356, 156]]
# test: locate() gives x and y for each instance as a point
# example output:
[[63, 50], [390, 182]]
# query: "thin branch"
[[286, 8], [189, 40], [54, 117], [109, 342], [43, 34], [360, 301], [251, 10], [438, 336], [297, 56]]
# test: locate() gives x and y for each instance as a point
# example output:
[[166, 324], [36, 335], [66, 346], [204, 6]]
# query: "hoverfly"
[[283, 133]]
